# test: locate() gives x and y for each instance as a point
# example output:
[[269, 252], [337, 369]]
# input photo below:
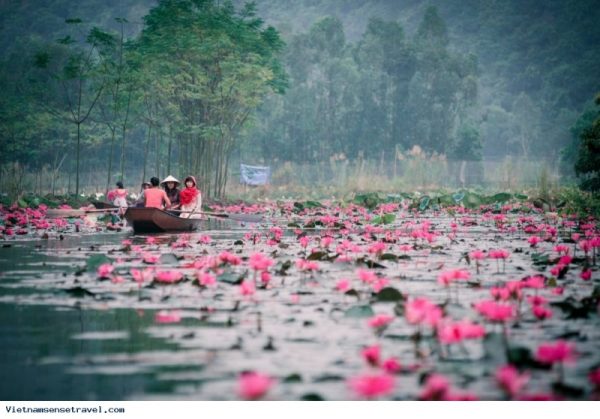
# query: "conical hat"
[[170, 179]]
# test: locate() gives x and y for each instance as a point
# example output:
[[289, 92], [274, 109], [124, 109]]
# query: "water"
[[65, 335]]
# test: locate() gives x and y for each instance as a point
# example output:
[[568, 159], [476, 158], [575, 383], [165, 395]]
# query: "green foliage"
[[587, 165], [579, 202]]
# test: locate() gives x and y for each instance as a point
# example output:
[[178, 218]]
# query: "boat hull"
[[103, 205], [154, 220]]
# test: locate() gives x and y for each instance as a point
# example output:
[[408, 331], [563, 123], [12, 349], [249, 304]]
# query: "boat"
[[154, 220], [103, 205]]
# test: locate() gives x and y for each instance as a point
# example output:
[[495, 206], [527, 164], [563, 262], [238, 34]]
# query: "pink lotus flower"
[[204, 239], [586, 274], [168, 277], [142, 276], [391, 365], [229, 258], [447, 277], [343, 285], [493, 311], [380, 321], [377, 248], [536, 282], [265, 277], [372, 385], [422, 310], [500, 293], [307, 265], [260, 262], [254, 385], [565, 260], [499, 254], [105, 270], [454, 332], [117, 279], [150, 240], [510, 380], [594, 377], [536, 300], [561, 249], [437, 388], [165, 316], [206, 279], [372, 355], [149, 258], [559, 351], [541, 312], [477, 255], [247, 288], [366, 276], [380, 284], [304, 241], [534, 240], [558, 270], [585, 245], [326, 241]]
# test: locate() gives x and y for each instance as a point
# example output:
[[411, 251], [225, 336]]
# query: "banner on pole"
[[254, 175]]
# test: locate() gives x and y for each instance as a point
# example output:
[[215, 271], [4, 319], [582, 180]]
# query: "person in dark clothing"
[[170, 185]]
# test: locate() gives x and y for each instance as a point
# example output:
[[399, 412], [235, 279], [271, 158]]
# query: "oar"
[[58, 213], [248, 218]]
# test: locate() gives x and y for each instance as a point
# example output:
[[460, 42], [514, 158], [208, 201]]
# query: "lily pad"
[[359, 311], [389, 294]]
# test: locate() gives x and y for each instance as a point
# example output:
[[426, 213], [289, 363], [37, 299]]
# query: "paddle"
[[57, 213], [249, 218]]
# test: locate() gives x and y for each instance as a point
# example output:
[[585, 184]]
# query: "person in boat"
[[118, 196], [170, 185], [141, 200], [155, 197], [190, 199]]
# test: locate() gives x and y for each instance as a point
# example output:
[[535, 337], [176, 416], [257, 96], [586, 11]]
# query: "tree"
[[209, 68], [75, 74], [587, 166]]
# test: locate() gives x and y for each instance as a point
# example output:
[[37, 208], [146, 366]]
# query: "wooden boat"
[[154, 220], [103, 205]]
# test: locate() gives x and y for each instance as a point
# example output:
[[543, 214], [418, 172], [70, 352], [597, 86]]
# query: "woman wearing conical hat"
[[170, 185]]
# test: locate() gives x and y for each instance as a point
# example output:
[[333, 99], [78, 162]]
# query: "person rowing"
[[155, 197]]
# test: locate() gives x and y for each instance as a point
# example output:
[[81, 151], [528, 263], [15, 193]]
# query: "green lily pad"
[[389, 294], [359, 311], [95, 261]]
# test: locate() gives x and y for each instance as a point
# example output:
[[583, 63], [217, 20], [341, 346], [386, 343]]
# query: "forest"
[[200, 86]]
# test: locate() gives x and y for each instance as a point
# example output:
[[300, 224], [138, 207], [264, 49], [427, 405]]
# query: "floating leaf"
[[318, 256], [231, 278], [79, 292], [95, 261], [424, 203], [389, 294], [384, 219], [521, 357], [353, 293], [359, 311], [457, 197], [169, 259], [568, 390], [293, 378], [313, 397]]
